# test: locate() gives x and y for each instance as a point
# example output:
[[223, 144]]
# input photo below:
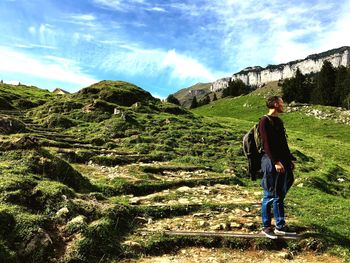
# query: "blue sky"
[[161, 45]]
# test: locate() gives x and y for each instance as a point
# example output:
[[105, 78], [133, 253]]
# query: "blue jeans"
[[276, 186]]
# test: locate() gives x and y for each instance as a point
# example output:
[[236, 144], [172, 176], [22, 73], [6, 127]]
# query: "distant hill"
[[186, 95], [21, 97]]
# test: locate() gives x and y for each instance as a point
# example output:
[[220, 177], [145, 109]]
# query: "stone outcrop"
[[257, 76]]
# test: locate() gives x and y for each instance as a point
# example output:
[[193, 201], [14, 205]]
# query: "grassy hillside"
[[322, 187], [21, 96], [60, 183], [85, 175]]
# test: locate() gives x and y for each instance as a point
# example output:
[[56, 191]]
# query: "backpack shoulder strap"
[[270, 119]]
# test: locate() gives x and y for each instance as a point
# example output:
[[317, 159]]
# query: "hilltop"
[[22, 97]]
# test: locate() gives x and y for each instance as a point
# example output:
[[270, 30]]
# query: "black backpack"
[[253, 150]]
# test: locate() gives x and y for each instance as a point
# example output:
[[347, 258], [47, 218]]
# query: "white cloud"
[[132, 60], [114, 4], [257, 33], [184, 67], [32, 30], [81, 36], [46, 29], [83, 17], [31, 45], [156, 9], [54, 69]]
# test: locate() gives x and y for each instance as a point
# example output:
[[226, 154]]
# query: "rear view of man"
[[277, 166]]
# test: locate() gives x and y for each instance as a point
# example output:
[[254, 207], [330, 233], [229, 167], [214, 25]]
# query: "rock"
[[203, 223], [76, 224], [198, 214], [235, 225], [133, 245], [62, 212], [183, 201], [218, 227], [285, 255], [183, 189], [141, 220], [39, 241], [258, 76], [135, 201], [229, 171], [78, 220], [10, 125]]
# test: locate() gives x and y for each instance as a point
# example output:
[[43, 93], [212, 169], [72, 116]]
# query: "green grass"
[[36, 183], [322, 186], [22, 97]]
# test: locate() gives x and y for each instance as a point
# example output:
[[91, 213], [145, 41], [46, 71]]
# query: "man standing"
[[277, 166]]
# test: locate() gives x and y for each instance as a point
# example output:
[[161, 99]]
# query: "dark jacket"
[[274, 139]]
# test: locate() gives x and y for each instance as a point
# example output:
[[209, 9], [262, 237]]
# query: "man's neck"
[[273, 112]]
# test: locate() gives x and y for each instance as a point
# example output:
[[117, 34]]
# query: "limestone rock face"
[[257, 76]]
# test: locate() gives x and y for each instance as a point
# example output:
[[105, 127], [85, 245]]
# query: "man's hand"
[[279, 167]]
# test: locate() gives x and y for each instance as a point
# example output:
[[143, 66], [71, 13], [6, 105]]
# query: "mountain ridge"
[[258, 76]]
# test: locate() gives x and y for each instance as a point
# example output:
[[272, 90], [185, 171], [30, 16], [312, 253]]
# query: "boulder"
[[9, 125]]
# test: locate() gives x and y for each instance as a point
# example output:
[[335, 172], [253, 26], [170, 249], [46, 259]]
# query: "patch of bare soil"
[[217, 194]]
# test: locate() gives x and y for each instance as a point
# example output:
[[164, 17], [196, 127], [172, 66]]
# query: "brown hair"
[[270, 102]]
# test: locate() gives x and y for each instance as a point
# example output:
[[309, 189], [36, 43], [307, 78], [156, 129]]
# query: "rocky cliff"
[[257, 76]]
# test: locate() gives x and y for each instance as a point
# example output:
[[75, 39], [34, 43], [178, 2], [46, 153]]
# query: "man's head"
[[275, 102]]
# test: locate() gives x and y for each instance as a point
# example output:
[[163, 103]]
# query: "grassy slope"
[[21, 96], [322, 188], [34, 181]]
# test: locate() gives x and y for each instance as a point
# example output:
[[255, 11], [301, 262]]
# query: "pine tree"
[[345, 99], [214, 97], [326, 84], [171, 98], [194, 103], [301, 94], [340, 90]]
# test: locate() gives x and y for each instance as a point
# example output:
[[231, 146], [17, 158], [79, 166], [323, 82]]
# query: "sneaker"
[[284, 231], [268, 232]]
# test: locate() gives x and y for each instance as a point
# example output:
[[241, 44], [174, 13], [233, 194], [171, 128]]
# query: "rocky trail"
[[170, 197]]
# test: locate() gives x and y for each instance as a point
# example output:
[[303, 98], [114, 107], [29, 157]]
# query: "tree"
[[325, 89], [171, 98], [204, 101], [235, 88], [214, 97], [345, 99], [297, 88], [194, 103], [340, 90]]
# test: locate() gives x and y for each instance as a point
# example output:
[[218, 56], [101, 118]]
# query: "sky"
[[162, 45]]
